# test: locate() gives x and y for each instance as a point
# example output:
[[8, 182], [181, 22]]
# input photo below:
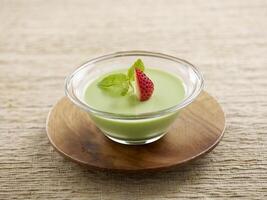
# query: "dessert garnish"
[[121, 84], [144, 86]]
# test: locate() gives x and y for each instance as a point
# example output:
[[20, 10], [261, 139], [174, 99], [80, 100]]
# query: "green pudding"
[[168, 91]]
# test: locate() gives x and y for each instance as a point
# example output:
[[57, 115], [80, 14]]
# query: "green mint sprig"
[[119, 83], [138, 65]]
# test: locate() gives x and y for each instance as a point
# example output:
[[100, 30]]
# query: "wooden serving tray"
[[198, 129]]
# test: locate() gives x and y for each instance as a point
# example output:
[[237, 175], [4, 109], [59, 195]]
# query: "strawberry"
[[144, 86]]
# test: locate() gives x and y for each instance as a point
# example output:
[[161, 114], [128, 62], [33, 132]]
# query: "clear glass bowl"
[[133, 129]]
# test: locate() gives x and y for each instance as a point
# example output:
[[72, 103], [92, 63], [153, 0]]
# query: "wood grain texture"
[[43, 41], [198, 129]]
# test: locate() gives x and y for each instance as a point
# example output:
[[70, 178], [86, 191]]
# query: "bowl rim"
[[186, 101]]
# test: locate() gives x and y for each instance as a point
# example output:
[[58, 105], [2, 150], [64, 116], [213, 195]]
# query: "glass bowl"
[[141, 128]]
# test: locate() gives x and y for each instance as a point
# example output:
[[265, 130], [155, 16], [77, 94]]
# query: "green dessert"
[[154, 90], [168, 91]]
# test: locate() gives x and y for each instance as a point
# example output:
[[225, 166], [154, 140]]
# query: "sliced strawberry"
[[144, 86]]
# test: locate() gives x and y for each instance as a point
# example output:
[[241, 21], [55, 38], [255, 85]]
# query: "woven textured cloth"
[[43, 41]]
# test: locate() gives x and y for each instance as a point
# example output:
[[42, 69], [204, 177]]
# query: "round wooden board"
[[198, 129]]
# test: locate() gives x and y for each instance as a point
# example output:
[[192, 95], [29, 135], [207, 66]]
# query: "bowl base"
[[134, 142]]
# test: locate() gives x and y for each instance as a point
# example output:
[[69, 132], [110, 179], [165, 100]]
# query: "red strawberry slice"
[[144, 86]]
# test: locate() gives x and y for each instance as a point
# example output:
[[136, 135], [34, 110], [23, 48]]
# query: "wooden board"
[[197, 130]]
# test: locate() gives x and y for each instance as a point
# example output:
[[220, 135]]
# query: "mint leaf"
[[119, 84], [139, 65], [112, 79], [115, 84]]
